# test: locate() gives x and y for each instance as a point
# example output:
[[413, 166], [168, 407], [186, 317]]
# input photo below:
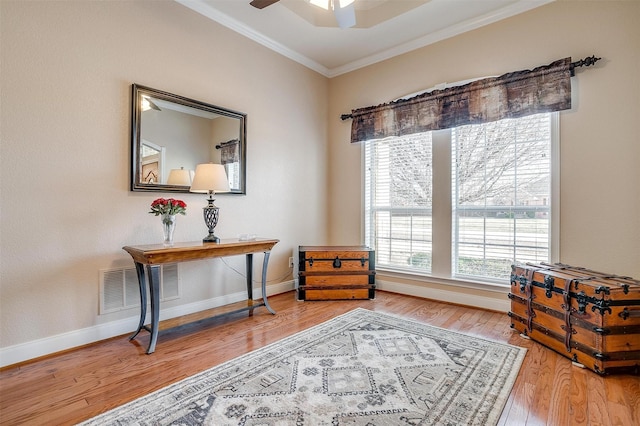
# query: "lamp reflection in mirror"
[[180, 177], [147, 104], [211, 179]]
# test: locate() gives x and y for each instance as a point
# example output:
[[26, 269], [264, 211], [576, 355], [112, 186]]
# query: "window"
[[501, 193], [500, 198], [398, 197]]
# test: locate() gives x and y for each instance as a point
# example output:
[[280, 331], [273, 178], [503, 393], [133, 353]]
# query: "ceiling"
[[385, 28]]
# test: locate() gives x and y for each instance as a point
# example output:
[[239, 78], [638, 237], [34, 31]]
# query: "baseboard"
[[451, 296], [61, 342]]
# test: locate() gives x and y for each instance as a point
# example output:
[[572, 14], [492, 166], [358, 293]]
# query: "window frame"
[[442, 215]]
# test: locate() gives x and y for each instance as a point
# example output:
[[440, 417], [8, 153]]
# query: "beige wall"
[[66, 208], [600, 135]]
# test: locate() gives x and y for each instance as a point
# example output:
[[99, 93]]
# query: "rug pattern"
[[360, 368]]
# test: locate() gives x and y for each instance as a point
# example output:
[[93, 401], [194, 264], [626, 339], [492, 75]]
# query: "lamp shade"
[[179, 177], [210, 178]]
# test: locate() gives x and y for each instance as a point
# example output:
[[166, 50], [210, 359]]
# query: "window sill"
[[492, 286]]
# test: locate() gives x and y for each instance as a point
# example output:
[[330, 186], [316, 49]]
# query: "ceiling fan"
[[343, 9]]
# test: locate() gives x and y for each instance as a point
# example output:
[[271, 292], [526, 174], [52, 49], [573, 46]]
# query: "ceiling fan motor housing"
[[261, 4]]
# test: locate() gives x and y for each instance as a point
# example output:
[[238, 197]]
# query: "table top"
[[152, 254], [335, 248]]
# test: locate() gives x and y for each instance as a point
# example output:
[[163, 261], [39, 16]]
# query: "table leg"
[[153, 273], [250, 277], [143, 299], [264, 282]]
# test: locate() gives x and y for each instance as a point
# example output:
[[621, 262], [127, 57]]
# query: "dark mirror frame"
[[137, 93]]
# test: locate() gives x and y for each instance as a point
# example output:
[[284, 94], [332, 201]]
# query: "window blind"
[[501, 193], [398, 200]]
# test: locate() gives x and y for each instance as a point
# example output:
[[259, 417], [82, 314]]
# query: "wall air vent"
[[119, 287]]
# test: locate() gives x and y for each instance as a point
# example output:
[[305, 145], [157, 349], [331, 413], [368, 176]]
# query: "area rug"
[[360, 368]]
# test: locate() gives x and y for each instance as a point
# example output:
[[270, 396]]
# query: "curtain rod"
[[586, 62], [223, 144]]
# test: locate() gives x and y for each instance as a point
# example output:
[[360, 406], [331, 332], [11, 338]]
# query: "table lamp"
[[210, 178]]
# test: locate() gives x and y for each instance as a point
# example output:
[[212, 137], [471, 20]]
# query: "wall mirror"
[[171, 134]]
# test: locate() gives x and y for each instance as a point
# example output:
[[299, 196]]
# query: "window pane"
[[398, 196], [501, 175]]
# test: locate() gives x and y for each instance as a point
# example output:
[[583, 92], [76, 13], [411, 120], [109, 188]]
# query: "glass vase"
[[168, 226]]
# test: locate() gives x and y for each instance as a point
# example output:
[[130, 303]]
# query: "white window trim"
[[555, 187], [439, 269]]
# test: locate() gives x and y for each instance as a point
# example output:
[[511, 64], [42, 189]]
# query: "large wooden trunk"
[[336, 272], [591, 317]]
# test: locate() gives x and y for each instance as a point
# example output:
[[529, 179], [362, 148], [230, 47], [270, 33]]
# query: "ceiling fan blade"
[[261, 4], [346, 16]]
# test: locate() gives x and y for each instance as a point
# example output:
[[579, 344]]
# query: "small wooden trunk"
[[336, 272], [591, 317]]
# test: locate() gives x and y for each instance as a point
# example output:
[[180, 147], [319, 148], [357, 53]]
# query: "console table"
[[153, 255]]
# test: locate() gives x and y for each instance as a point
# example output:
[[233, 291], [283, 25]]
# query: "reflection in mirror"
[[171, 134]]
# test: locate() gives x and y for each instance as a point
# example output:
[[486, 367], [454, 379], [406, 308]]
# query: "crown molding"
[[434, 37], [205, 9]]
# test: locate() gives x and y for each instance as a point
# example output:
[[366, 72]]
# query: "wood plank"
[[312, 282], [336, 294], [561, 384], [545, 360], [578, 396], [75, 385], [616, 389], [631, 386], [519, 409], [181, 252], [596, 401]]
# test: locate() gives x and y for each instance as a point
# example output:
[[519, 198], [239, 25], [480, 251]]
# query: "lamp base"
[[211, 213], [211, 239]]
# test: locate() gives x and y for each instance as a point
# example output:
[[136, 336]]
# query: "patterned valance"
[[229, 151], [516, 94]]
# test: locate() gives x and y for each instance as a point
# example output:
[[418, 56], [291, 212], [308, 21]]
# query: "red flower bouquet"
[[170, 206]]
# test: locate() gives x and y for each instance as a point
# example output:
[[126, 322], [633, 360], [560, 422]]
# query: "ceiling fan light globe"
[[320, 3], [345, 14]]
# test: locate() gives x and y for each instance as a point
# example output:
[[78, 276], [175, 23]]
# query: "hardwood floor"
[[73, 386]]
